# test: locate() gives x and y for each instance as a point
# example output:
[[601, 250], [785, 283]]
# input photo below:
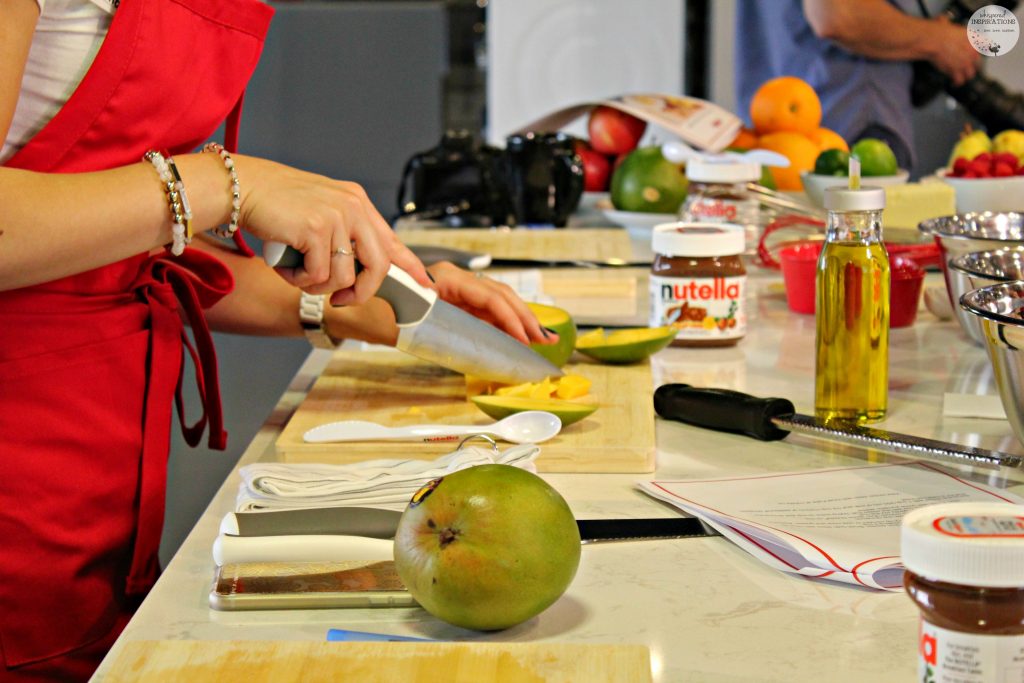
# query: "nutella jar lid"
[[971, 544], [721, 171], [698, 239]]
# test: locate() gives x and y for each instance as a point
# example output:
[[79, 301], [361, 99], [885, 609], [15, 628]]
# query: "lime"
[[876, 157], [832, 162], [647, 181]]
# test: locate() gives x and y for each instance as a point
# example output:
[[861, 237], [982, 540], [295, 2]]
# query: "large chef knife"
[[473, 260], [378, 523], [770, 419], [437, 332]]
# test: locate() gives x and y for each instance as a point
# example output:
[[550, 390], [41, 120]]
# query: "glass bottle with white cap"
[[852, 309], [718, 194]]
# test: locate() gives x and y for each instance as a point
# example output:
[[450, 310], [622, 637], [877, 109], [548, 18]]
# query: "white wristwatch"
[[311, 314]]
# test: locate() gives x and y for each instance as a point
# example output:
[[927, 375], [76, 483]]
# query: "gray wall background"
[[346, 89]]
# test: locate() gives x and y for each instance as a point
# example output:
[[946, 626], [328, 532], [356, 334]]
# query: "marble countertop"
[[707, 610]]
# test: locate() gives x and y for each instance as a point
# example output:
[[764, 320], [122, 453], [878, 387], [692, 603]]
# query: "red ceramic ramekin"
[[800, 262]]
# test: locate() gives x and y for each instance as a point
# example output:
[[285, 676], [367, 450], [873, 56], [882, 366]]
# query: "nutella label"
[[699, 307], [987, 526], [945, 656], [721, 210]]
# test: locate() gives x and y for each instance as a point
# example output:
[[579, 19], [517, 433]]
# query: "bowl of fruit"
[[878, 167], [987, 174]]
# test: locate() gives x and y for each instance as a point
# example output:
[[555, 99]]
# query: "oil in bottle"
[[852, 310]]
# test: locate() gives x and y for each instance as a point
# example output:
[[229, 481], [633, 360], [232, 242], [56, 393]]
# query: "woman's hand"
[[489, 300], [331, 222]]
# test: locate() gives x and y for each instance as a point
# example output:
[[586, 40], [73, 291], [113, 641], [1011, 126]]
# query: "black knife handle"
[[723, 410]]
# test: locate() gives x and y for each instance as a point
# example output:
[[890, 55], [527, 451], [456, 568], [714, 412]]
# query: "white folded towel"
[[380, 483]]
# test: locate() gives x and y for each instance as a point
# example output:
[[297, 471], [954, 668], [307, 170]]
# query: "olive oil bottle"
[[852, 310]]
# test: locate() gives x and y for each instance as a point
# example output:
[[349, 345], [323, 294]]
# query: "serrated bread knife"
[[770, 419], [435, 331]]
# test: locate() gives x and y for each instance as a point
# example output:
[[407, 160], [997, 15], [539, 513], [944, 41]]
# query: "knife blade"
[[472, 260], [378, 523], [566, 263], [770, 419], [435, 331]]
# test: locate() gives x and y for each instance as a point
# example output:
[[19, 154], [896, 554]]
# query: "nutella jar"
[[965, 571], [717, 193], [698, 283]]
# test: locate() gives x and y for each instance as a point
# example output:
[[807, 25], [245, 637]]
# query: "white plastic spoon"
[[531, 426]]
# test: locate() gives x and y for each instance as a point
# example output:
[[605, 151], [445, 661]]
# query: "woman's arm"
[[264, 304], [876, 29], [54, 225]]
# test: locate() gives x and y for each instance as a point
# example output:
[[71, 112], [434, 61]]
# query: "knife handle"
[[723, 410], [409, 299]]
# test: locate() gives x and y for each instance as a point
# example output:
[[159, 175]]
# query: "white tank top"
[[67, 37]]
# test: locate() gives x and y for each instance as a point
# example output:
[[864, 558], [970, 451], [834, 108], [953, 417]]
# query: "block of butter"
[[907, 205]]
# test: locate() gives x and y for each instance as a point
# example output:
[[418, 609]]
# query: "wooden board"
[[395, 389], [197, 661], [592, 244]]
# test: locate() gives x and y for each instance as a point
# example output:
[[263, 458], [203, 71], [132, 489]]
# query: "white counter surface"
[[707, 610]]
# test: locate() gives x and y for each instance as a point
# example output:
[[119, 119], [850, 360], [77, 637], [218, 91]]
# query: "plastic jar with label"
[[698, 283], [718, 194], [965, 572]]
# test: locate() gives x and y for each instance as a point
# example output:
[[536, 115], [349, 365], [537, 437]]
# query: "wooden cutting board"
[[592, 244], [394, 389], [196, 661]]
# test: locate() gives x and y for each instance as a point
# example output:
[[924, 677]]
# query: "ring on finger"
[[342, 251]]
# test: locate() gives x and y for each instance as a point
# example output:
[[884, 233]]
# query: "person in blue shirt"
[[857, 55]]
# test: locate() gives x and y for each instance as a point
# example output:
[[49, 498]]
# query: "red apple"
[[596, 168], [613, 131]]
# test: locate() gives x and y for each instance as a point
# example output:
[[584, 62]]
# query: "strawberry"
[[985, 157], [960, 165], [1002, 169], [1008, 158], [979, 167]]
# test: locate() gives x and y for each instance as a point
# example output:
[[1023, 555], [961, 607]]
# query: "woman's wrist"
[[372, 322]]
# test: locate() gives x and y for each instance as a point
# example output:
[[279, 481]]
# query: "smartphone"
[[308, 585]]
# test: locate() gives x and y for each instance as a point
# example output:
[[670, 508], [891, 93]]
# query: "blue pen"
[[344, 635]]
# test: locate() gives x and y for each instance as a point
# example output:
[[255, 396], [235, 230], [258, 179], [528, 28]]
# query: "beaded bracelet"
[[236, 197], [177, 200]]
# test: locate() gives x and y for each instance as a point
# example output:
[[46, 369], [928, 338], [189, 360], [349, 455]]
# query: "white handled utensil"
[[531, 426]]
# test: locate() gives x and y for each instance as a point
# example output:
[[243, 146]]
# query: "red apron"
[[90, 364]]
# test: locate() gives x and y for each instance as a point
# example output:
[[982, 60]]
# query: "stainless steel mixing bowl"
[[983, 268], [969, 232], [1000, 311]]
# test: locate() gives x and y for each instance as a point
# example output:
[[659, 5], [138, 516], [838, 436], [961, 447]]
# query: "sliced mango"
[[572, 386], [516, 390], [625, 346], [503, 406]]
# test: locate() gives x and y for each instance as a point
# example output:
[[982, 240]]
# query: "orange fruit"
[[826, 138], [787, 103], [800, 151], [745, 139]]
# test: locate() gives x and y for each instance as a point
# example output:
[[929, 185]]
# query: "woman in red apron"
[[91, 307]]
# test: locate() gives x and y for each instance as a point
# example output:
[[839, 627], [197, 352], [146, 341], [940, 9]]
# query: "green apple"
[[487, 547]]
